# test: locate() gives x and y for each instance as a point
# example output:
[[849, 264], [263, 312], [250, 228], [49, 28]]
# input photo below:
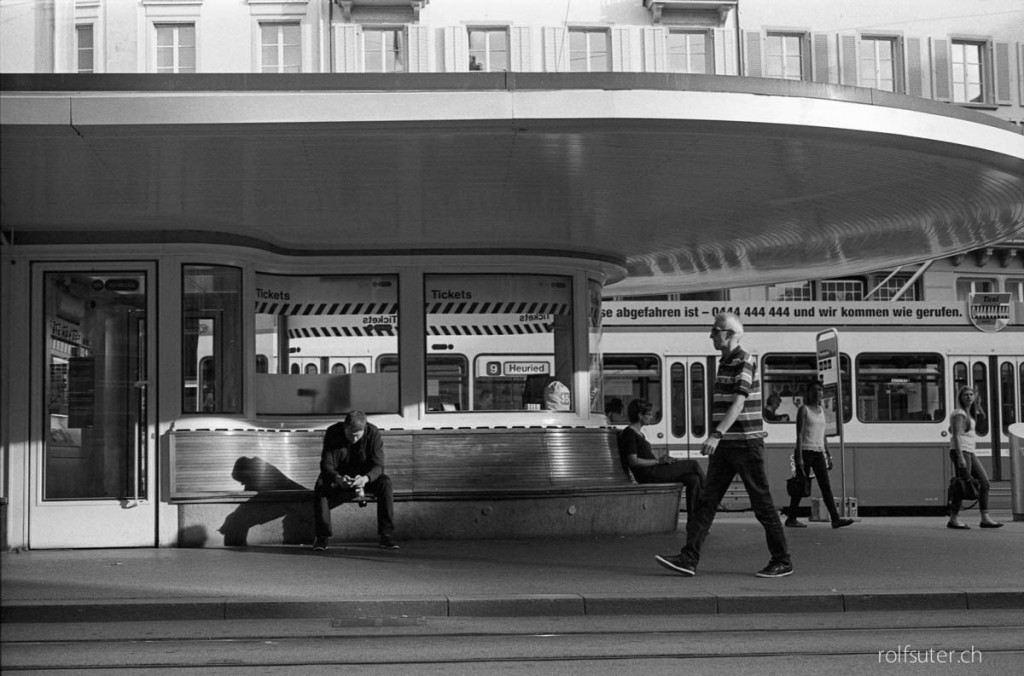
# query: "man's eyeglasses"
[[715, 330]]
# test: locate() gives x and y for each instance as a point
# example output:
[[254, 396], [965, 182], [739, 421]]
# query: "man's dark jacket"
[[341, 457]]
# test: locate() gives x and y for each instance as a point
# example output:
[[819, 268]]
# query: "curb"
[[521, 605]]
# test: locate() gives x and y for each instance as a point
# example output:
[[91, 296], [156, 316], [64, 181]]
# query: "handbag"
[[964, 488], [798, 486]]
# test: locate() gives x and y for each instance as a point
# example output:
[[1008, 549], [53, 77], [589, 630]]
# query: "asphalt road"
[[974, 642]]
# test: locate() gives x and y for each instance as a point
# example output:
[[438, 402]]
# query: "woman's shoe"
[[958, 526], [991, 525]]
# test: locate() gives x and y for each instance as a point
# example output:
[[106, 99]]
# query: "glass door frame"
[[129, 521]]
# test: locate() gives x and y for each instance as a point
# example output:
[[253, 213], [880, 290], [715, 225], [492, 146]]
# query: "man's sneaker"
[[386, 542], [319, 544], [794, 523], [839, 523], [678, 564], [776, 569]]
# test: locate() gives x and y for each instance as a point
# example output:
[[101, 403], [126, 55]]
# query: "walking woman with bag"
[[811, 454], [962, 426]]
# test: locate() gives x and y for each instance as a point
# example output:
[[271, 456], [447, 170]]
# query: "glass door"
[[93, 471]]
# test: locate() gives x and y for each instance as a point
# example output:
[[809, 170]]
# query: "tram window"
[[698, 400], [308, 326], [1008, 394], [785, 380], [211, 341], [511, 382], [633, 376], [900, 388], [677, 388], [505, 314], [447, 380]]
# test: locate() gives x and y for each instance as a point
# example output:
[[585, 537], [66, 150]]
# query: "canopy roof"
[[685, 182]]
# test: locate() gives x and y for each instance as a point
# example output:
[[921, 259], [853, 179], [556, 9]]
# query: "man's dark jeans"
[[728, 460], [326, 498]]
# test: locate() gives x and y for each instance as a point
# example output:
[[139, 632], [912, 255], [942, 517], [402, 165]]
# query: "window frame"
[[400, 51], [487, 51], [650, 388], [803, 41], [709, 49], [158, 27], [863, 380], [80, 29], [280, 45], [845, 366], [985, 79], [588, 52], [898, 62]]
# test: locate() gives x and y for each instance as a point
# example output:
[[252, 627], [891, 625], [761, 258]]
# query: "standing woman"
[[962, 425], [811, 453], [638, 457]]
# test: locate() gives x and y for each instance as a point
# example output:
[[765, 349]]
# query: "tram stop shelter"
[[421, 186]]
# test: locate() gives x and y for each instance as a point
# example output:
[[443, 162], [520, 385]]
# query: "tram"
[[901, 365]]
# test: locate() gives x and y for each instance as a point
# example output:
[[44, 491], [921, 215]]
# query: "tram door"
[[977, 372], [92, 469], [677, 386]]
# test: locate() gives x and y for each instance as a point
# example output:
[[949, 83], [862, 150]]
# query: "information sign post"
[[827, 349]]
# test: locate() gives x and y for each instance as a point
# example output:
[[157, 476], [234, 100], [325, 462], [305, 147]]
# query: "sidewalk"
[[881, 563]]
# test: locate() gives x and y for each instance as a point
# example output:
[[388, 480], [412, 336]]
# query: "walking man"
[[735, 446]]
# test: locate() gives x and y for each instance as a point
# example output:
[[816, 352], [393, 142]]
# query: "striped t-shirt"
[[737, 374]]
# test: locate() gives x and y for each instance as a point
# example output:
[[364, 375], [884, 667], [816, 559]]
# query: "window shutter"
[[521, 49], [725, 51], [419, 49], [346, 50], [752, 58], [622, 52], [556, 49], [456, 49], [941, 82], [654, 49], [1001, 62], [819, 58], [915, 69], [848, 71]]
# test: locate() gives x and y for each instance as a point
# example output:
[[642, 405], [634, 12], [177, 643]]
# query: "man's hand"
[[356, 481], [709, 446]]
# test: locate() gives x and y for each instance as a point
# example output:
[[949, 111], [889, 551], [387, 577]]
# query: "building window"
[[499, 342], [792, 291], [211, 341], [488, 49], [588, 51], [878, 66], [689, 52], [894, 285], [384, 50], [965, 286], [1016, 289], [176, 48], [86, 49], [319, 335], [784, 56], [281, 48], [841, 289], [968, 60]]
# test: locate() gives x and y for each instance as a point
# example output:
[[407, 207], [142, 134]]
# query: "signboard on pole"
[[828, 374]]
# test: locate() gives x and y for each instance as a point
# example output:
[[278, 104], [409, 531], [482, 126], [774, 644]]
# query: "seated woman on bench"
[[638, 457]]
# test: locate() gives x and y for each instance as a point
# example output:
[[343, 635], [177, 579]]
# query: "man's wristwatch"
[[716, 434]]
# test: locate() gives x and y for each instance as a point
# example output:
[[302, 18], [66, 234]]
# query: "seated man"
[[638, 457], [771, 409], [353, 458]]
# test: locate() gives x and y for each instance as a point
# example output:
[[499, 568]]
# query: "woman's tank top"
[[968, 439], [813, 435]]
